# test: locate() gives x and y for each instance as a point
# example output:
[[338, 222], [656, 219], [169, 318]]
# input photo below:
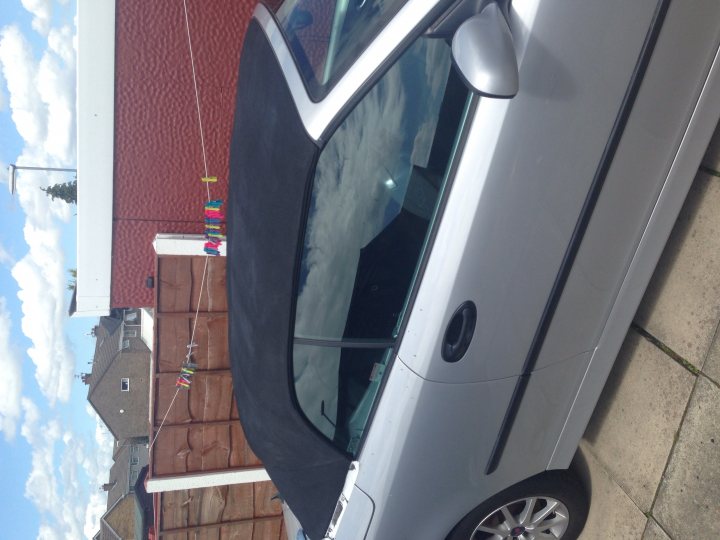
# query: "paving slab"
[[688, 503], [612, 515], [681, 307], [712, 363], [639, 412], [653, 531]]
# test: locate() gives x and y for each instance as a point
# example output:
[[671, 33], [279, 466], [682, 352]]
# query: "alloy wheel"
[[533, 518]]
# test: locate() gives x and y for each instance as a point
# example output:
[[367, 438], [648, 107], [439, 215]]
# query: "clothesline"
[[214, 219]]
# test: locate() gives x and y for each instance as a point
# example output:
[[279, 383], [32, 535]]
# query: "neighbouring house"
[[125, 516], [118, 385], [128, 460]]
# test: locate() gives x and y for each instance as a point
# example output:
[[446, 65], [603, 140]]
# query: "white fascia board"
[[207, 479], [95, 138], [183, 244]]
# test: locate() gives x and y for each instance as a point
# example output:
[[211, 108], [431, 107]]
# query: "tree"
[[72, 284], [66, 192]]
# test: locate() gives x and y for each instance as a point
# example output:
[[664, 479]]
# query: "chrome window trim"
[[317, 117]]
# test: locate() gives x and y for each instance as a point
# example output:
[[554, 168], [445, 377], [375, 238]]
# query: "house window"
[[133, 449], [131, 316], [126, 344], [134, 460], [125, 384], [130, 332], [133, 477]]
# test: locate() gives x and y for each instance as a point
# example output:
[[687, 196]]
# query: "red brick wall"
[[158, 157]]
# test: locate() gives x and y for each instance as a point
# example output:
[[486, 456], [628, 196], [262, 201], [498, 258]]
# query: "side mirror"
[[483, 52]]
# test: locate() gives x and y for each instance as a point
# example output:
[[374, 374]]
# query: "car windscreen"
[[326, 36]]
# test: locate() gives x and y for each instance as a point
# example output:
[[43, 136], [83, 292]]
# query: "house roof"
[[107, 340], [106, 530], [120, 476]]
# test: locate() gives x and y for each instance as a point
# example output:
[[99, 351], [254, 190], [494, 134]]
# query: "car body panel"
[[357, 517], [640, 168], [684, 163], [421, 467], [416, 451], [519, 191]]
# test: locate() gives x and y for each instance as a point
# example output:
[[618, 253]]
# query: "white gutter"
[[95, 138]]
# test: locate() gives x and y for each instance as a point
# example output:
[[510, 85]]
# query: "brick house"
[[139, 154], [118, 386]]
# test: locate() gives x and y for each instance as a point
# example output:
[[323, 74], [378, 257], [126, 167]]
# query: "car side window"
[[375, 192]]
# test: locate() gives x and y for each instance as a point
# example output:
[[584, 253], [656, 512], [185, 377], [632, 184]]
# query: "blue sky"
[[53, 453]]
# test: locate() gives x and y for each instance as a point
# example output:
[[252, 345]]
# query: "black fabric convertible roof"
[[271, 161]]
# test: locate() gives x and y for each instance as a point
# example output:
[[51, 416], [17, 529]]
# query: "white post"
[[207, 479]]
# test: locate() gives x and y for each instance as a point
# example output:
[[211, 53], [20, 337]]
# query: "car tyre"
[[550, 505]]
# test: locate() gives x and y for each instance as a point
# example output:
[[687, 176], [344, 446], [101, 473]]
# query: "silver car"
[[442, 217]]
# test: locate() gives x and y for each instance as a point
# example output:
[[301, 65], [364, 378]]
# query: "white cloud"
[[41, 486], [42, 14], [42, 93], [42, 103], [66, 469], [32, 417], [56, 84], [18, 67], [41, 278], [61, 42], [47, 532], [5, 256], [74, 490], [3, 97], [97, 467], [11, 382], [66, 473]]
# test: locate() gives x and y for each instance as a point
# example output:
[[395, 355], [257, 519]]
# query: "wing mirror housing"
[[484, 54]]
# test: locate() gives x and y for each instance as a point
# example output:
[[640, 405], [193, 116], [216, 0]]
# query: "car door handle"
[[459, 332]]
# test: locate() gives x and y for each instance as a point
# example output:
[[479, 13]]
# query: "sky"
[[54, 451]]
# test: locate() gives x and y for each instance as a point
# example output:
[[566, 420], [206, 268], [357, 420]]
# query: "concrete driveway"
[[651, 453]]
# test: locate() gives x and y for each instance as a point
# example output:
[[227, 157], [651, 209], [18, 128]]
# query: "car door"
[[524, 173]]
